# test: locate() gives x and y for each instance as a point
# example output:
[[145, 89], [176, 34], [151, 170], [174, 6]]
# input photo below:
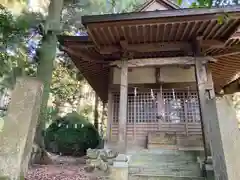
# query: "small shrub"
[[71, 135]]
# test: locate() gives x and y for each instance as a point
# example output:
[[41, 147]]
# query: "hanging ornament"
[[174, 100], [188, 94], [152, 95], [173, 92], [135, 91], [161, 106]]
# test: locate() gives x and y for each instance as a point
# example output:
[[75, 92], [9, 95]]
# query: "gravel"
[[63, 168], [57, 172]]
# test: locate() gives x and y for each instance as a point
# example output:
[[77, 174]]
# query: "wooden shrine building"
[[159, 70]]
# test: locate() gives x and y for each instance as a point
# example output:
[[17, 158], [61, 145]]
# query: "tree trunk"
[[47, 55], [96, 111], [102, 119]]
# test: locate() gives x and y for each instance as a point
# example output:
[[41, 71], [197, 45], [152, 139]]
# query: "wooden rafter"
[[227, 54], [78, 52], [93, 37]]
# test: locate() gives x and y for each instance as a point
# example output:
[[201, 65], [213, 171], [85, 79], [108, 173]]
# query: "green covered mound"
[[71, 135]]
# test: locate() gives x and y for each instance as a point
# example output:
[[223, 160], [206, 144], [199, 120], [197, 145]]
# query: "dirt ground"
[[62, 168]]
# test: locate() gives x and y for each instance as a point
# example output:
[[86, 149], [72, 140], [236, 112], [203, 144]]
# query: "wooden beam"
[[212, 43], [157, 75], [146, 47], [157, 47], [232, 87], [147, 86], [162, 61]]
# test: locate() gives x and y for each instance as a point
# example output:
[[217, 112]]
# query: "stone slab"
[[119, 173], [17, 136], [225, 156]]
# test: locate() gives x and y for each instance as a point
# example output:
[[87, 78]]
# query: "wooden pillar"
[[161, 108], [209, 118], [109, 115], [122, 134], [201, 80], [135, 116]]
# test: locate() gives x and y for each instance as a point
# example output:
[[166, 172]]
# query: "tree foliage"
[[65, 82], [15, 33], [206, 3]]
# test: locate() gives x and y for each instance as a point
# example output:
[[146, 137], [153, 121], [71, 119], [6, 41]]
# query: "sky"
[[38, 5]]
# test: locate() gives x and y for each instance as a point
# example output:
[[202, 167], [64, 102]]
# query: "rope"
[[154, 89]]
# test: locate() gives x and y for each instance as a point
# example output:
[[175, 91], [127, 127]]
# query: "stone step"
[[161, 158], [164, 151], [167, 171], [152, 177], [165, 163], [164, 157]]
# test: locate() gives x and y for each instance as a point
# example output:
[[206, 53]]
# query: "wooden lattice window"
[[116, 98], [180, 106], [145, 107], [142, 106], [192, 105]]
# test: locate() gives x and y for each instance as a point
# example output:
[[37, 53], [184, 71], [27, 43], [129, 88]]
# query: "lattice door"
[[180, 112]]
